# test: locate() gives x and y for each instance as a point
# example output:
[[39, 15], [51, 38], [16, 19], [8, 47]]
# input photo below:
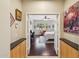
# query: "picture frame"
[[18, 15], [71, 19]]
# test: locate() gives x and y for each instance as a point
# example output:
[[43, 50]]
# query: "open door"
[[50, 20]]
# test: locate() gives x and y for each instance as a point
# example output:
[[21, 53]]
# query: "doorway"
[[43, 35]]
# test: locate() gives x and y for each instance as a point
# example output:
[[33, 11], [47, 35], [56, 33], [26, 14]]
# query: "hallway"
[[39, 28], [41, 49]]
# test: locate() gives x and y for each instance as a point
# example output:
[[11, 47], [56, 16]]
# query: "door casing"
[[28, 31]]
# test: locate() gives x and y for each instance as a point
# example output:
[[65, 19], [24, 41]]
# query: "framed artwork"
[[71, 19], [18, 15], [12, 20]]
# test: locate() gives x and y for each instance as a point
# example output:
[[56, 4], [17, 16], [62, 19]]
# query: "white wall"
[[39, 19], [70, 36], [4, 29], [45, 23], [16, 33]]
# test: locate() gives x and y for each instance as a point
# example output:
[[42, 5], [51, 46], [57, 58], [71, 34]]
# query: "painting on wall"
[[18, 15], [71, 19]]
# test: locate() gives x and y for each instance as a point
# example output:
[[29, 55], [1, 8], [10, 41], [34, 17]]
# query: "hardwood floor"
[[41, 49]]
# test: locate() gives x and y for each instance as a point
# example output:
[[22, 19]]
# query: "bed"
[[49, 35]]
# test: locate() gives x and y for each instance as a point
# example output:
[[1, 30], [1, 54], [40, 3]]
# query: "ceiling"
[[45, 0]]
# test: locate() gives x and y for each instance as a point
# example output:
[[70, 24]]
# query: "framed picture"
[[18, 15], [71, 19]]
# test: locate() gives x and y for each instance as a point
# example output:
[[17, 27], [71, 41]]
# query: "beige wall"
[[42, 7], [16, 33], [4, 28], [72, 37]]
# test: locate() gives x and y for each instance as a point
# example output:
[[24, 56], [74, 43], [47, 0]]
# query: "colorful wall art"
[[71, 19]]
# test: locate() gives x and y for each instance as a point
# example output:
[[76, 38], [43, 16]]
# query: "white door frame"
[[58, 24]]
